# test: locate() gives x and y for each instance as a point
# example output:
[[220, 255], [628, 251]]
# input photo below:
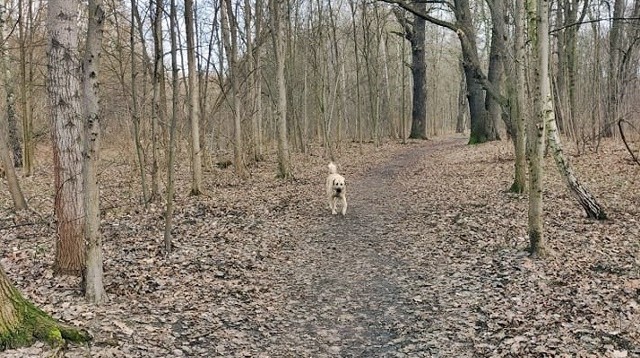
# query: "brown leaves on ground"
[[429, 261]]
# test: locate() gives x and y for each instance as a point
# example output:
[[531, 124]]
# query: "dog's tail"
[[332, 168]]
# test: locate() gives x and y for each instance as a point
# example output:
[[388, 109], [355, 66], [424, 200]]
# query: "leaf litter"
[[429, 261]]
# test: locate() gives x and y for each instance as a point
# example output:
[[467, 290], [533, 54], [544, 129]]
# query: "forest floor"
[[429, 261]]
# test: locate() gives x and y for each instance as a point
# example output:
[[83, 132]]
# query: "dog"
[[336, 190]]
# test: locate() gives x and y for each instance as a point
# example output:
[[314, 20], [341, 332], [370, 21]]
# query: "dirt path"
[[347, 284]]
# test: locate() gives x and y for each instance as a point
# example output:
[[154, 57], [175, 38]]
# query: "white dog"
[[336, 189]]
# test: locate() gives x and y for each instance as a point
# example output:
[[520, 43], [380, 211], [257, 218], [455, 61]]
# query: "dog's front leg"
[[334, 205], [344, 204]]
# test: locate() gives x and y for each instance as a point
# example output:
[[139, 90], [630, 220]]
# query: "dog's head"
[[337, 183]]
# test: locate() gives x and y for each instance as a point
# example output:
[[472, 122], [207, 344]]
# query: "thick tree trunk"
[[419, 73], [482, 128], [21, 323], [63, 87], [497, 56], [93, 273]]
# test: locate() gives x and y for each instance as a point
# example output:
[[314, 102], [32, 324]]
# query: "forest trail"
[[430, 261], [347, 284]]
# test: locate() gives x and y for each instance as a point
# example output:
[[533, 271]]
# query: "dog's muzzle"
[[338, 190]]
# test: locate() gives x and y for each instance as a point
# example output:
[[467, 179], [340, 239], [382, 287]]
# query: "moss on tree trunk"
[[22, 323]]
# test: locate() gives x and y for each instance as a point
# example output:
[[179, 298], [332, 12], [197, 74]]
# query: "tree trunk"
[[542, 99], [588, 202], [613, 73], [517, 97], [194, 108], [93, 273], [277, 26], [497, 56], [63, 89], [482, 129], [158, 106], [25, 87], [135, 113], [21, 323], [463, 109], [419, 73], [6, 159], [168, 219], [7, 169], [229, 39]]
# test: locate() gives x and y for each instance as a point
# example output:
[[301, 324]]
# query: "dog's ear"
[[333, 182]]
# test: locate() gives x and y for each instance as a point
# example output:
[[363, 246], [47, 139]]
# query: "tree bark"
[[158, 106], [63, 88], [135, 113], [463, 109], [194, 107], [6, 158], [21, 323], [277, 27], [419, 73], [614, 70], [168, 219], [229, 39], [497, 56], [93, 273], [517, 97], [542, 99], [25, 87], [588, 202]]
